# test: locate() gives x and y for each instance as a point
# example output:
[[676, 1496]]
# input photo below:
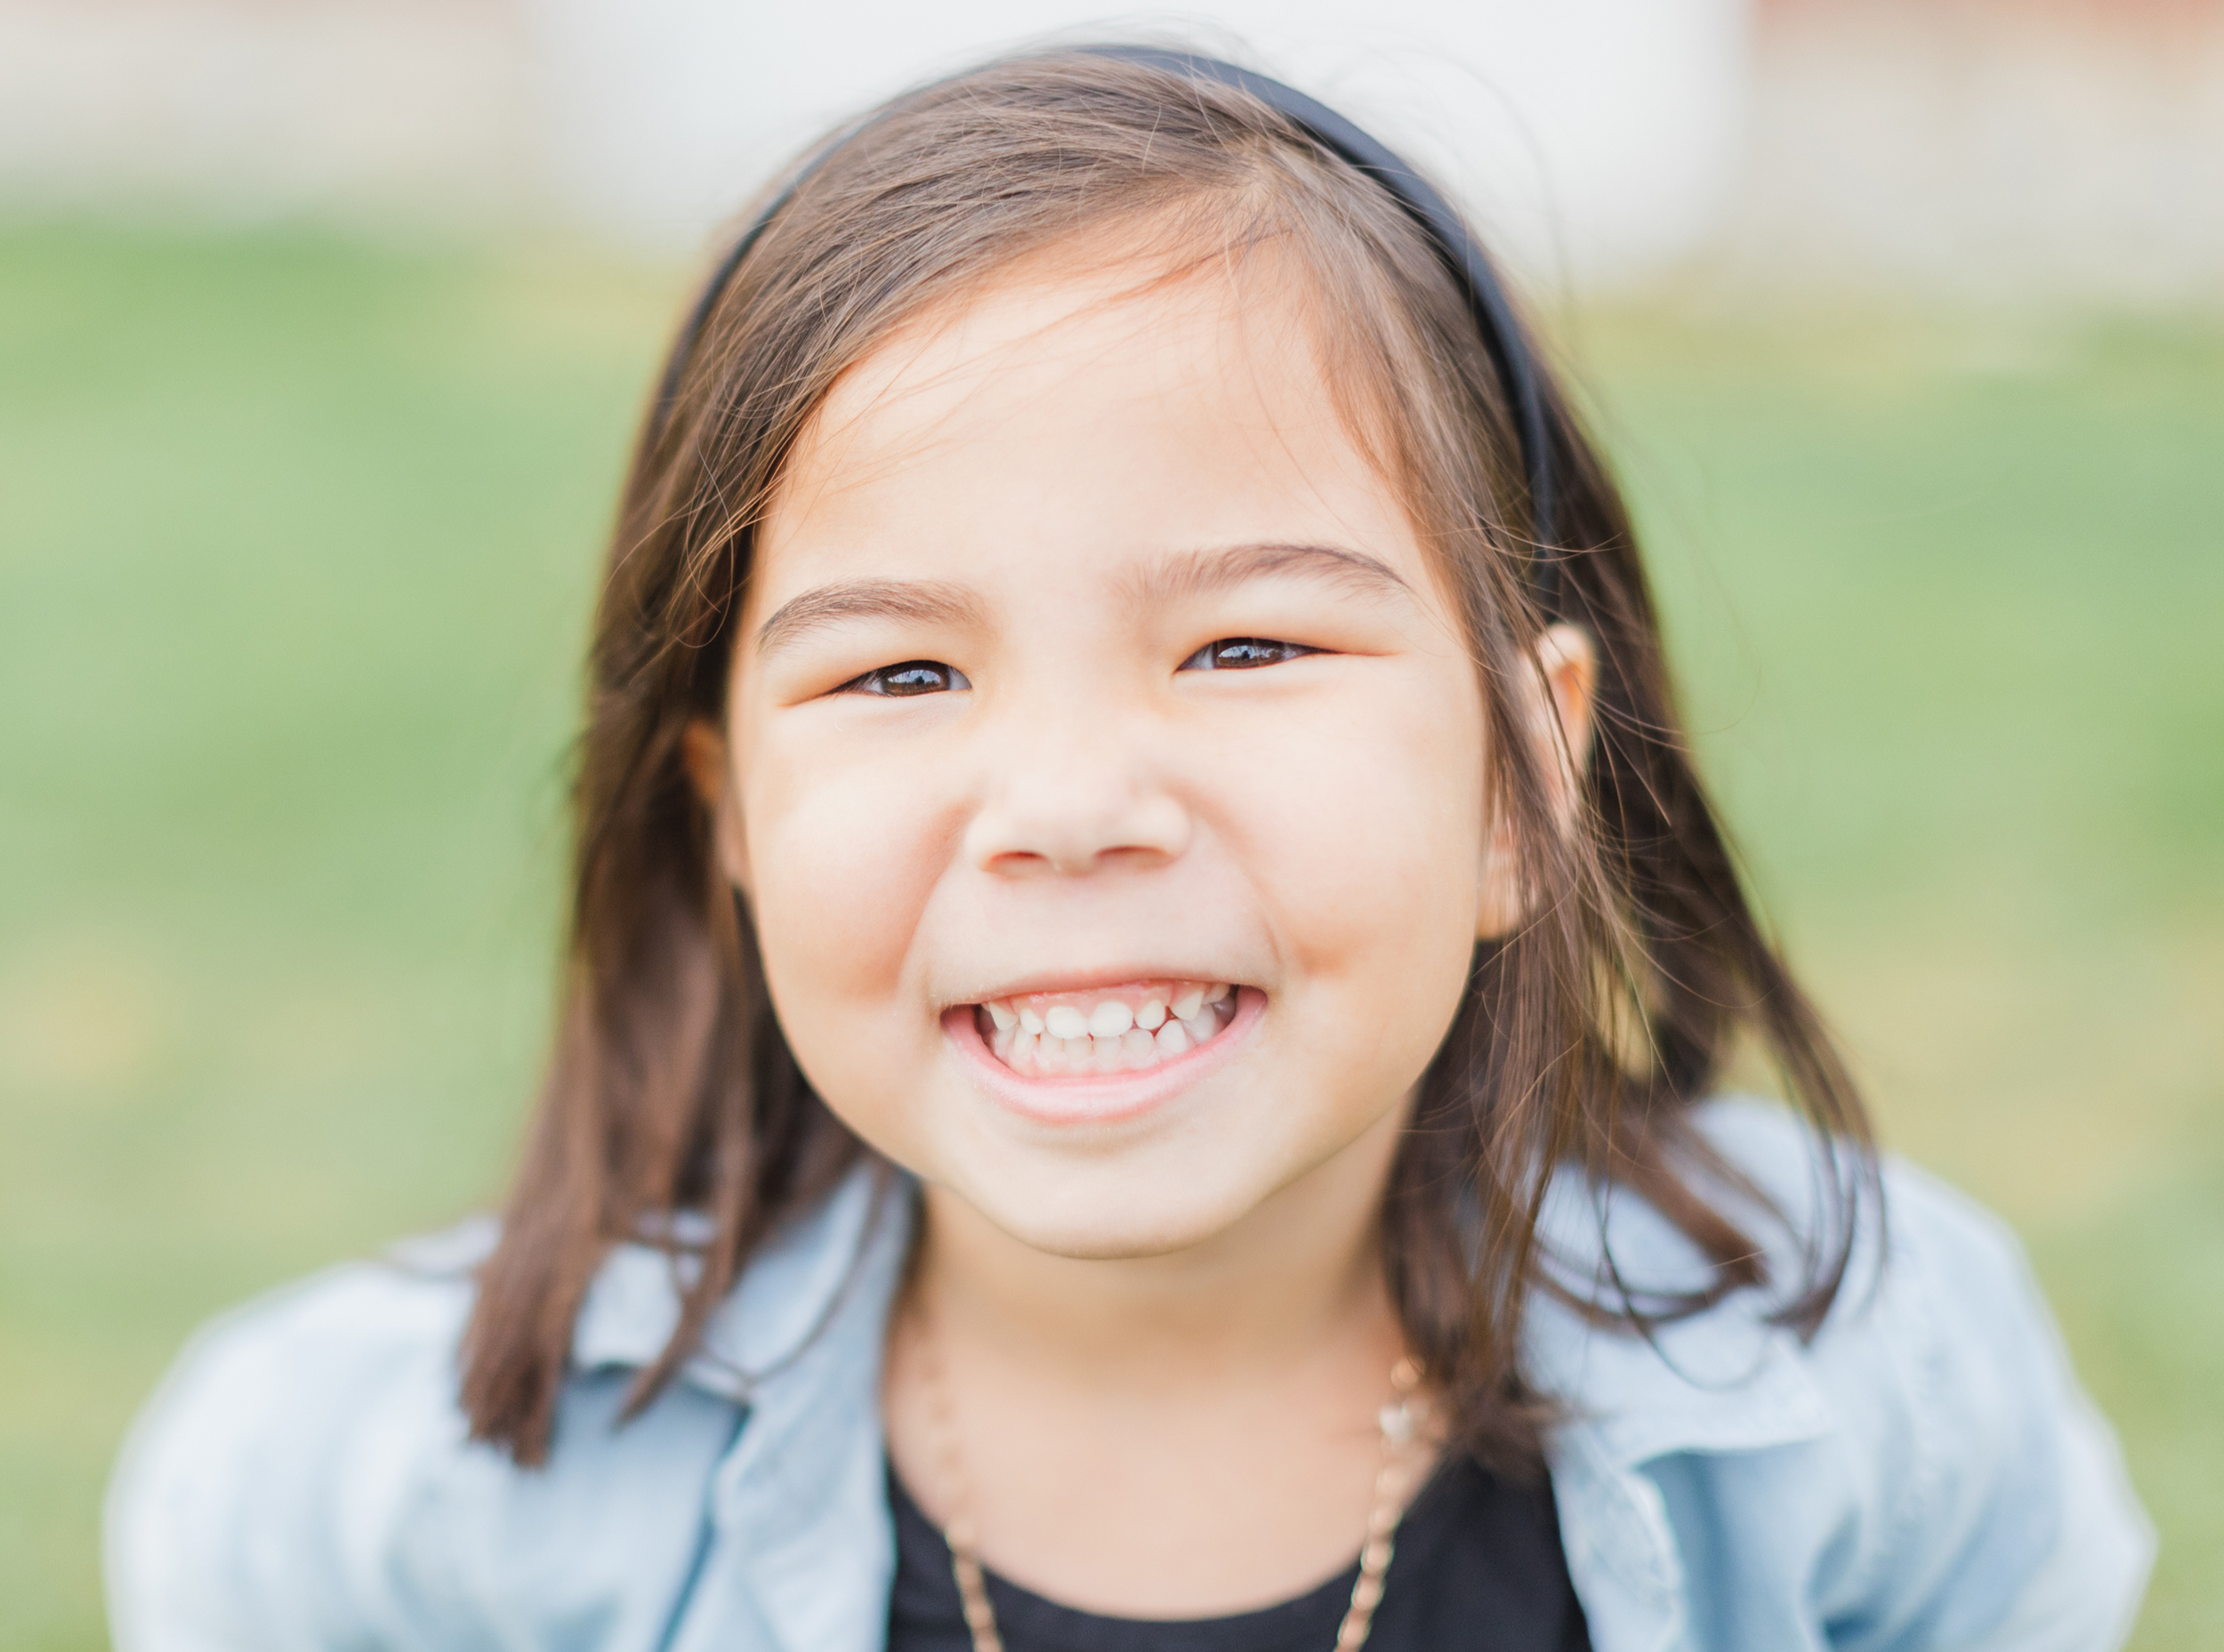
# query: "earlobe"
[[1501, 901], [702, 749], [1569, 660], [1560, 720]]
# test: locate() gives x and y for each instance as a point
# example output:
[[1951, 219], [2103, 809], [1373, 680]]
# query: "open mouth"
[[1129, 1029]]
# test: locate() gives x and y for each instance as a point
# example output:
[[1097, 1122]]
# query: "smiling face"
[[1089, 668]]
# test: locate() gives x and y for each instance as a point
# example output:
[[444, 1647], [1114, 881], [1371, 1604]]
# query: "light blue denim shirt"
[[1923, 1473]]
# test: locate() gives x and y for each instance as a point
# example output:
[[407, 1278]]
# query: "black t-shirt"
[[1478, 1568]]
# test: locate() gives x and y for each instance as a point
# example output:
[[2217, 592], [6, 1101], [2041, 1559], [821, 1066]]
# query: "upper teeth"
[[1117, 1029]]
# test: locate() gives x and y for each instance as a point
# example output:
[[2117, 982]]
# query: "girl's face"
[[1089, 674]]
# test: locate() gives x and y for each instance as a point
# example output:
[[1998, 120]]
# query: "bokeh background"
[[323, 324]]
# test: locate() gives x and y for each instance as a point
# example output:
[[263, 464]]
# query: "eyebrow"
[[928, 601], [1200, 573], [1188, 574]]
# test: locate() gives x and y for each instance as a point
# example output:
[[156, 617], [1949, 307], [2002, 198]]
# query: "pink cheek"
[[838, 884], [1387, 829]]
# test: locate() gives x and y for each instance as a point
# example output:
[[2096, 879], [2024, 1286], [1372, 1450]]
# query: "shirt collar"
[[817, 1270], [1730, 1379]]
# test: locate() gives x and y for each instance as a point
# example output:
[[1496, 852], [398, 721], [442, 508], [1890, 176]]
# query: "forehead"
[[1104, 412]]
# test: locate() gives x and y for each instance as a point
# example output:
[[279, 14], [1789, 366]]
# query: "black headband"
[[1501, 335]]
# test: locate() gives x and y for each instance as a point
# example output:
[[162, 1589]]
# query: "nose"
[[1091, 801]]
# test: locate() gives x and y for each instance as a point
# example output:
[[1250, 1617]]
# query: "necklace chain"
[[1401, 1424]]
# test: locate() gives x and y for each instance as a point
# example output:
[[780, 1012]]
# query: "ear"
[[1557, 700], [702, 749]]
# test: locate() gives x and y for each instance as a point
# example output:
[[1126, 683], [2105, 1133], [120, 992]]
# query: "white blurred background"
[[2064, 148]]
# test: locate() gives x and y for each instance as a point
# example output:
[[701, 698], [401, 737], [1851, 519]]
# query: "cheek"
[[843, 858], [1372, 855]]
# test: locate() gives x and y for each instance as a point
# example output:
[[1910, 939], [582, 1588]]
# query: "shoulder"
[[223, 1496], [304, 1478], [1923, 1471]]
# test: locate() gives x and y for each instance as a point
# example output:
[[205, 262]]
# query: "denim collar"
[[798, 1342]]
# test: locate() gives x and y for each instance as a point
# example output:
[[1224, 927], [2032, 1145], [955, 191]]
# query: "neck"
[[1300, 1276], [1182, 1434]]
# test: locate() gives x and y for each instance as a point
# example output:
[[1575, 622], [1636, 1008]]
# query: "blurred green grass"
[[296, 542]]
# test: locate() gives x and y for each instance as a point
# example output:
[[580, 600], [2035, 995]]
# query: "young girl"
[[1147, 978]]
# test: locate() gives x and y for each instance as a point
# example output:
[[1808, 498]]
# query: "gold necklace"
[[1400, 1421]]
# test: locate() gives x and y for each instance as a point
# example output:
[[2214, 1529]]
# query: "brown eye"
[[1243, 653], [911, 677]]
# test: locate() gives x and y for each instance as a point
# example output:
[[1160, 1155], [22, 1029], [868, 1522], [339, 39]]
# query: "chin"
[[1122, 1206], [1094, 1236]]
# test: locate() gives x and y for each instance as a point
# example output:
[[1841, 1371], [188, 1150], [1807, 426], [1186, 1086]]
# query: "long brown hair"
[[1582, 1038]]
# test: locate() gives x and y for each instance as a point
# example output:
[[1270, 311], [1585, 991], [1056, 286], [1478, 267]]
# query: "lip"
[[1094, 1098], [1087, 980]]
